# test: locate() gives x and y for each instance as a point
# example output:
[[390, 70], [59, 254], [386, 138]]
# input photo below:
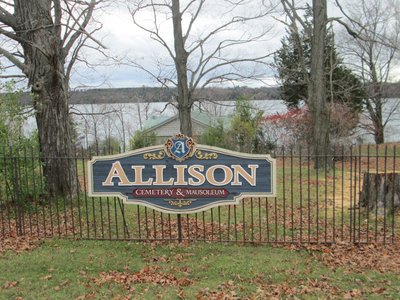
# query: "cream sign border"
[[236, 199]]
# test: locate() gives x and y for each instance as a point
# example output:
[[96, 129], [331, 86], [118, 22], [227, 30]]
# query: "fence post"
[[179, 216]]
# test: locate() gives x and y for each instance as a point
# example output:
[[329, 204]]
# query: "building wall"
[[170, 129]]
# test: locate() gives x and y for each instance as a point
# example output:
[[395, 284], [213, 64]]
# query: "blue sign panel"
[[182, 177]]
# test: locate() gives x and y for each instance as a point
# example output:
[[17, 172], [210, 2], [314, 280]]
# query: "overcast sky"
[[123, 39]]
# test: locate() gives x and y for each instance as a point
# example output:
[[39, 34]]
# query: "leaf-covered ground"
[[67, 269]]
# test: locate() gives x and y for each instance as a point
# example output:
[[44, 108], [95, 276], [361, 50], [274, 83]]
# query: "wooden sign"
[[182, 176]]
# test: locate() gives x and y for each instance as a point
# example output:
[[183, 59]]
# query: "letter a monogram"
[[180, 147]]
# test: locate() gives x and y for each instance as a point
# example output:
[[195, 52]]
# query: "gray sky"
[[123, 39]]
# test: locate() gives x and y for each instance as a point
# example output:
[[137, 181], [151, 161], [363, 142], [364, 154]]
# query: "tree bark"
[[380, 192], [181, 57], [44, 58], [379, 135], [317, 88]]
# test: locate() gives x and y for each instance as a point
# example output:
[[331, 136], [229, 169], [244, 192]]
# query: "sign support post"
[[179, 216]]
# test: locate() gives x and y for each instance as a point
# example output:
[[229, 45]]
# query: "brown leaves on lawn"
[[28, 232], [19, 243], [364, 257], [148, 274], [305, 287], [229, 290], [357, 258], [9, 285], [225, 291]]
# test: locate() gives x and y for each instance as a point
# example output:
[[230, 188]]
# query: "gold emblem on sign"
[[180, 202], [180, 147], [154, 156], [206, 155]]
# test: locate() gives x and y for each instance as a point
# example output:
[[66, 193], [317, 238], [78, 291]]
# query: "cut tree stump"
[[380, 192]]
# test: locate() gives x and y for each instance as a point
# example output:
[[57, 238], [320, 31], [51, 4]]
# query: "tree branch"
[[154, 33], [11, 35], [82, 29], [57, 16], [7, 18], [192, 19], [13, 59]]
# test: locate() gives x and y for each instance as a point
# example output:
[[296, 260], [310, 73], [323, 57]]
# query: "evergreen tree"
[[342, 84]]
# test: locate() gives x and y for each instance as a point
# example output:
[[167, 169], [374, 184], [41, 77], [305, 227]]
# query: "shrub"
[[215, 135], [142, 139], [294, 127]]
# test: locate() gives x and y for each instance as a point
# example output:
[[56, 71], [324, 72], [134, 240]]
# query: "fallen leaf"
[[10, 284]]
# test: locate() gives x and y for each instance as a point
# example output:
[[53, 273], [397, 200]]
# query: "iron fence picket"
[[359, 193], [82, 160], [376, 197], [301, 194], [284, 193], [368, 179], [291, 195], [384, 197], [393, 192], [78, 196], [334, 195], [309, 193], [342, 215], [3, 231]]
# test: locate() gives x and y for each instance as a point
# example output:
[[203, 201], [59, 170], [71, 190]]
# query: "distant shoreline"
[[157, 94]]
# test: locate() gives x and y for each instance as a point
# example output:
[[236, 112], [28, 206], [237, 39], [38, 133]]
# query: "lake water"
[[122, 120]]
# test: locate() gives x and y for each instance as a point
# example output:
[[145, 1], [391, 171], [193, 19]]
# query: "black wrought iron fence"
[[353, 197]]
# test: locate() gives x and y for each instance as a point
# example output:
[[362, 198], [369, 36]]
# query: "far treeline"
[[157, 94]]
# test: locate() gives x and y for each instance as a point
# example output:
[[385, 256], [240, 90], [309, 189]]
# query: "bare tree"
[[93, 119], [48, 35], [120, 110], [314, 75], [317, 88], [372, 48], [207, 42]]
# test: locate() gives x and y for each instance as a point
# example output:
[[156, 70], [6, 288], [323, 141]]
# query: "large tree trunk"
[[44, 59], [184, 96], [55, 138], [317, 88]]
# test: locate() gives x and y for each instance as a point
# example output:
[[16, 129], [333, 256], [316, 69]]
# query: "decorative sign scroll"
[[182, 176]]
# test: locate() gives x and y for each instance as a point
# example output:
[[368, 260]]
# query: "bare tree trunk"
[[377, 118], [377, 121], [123, 129], [317, 87], [45, 59], [379, 134], [181, 57], [55, 139]]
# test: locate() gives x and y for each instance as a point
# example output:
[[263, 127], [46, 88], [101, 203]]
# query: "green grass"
[[65, 269]]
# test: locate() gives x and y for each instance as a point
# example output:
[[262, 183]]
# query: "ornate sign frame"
[[182, 176]]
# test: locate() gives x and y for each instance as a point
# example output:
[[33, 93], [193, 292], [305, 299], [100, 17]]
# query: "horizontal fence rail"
[[334, 203]]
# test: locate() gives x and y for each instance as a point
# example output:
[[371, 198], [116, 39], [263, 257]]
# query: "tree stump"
[[380, 192]]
